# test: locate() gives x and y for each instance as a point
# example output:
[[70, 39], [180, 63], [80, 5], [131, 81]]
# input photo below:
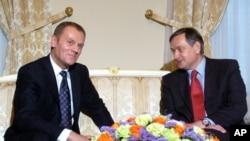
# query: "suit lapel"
[[53, 88], [75, 85], [210, 78], [185, 91]]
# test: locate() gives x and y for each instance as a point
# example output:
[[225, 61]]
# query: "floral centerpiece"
[[146, 127]]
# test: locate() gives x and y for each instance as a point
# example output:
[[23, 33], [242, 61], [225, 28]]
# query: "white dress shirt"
[[65, 133]]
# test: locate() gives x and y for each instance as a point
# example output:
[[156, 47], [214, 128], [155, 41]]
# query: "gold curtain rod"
[[53, 19], [149, 14]]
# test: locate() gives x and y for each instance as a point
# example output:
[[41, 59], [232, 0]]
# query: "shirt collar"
[[56, 68], [200, 68]]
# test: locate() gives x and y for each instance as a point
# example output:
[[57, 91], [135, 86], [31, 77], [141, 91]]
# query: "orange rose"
[[105, 136], [115, 125], [135, 130], [160, 120]]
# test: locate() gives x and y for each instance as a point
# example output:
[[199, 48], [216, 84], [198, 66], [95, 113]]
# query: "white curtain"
[[232, 39], [3, 47]]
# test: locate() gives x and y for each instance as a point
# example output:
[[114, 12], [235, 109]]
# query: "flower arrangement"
[[152, 128]]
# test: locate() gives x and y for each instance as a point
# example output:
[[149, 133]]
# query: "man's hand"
[[73, 136], [215, 127]]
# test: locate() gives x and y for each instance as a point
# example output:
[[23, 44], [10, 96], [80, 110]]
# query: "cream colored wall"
[[118, 34]]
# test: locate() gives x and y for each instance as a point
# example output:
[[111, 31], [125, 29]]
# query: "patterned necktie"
[[64, 97], [197, 97]]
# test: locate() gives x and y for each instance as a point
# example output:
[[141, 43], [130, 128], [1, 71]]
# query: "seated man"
[[220, 88], [53, 90]]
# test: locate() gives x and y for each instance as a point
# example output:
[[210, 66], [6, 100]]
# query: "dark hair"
[[191, 34], [59, 29]]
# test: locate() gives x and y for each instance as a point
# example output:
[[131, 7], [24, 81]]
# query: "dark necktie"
[[197, 97], [64, 97]]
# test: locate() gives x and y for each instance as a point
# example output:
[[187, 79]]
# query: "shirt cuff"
[[210, 121], [64, 135]]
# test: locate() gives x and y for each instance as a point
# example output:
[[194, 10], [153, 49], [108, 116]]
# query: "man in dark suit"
[[37, 114], [223, 88]]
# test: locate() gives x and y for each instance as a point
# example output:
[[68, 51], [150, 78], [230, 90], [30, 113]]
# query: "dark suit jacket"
[[36, 101], [224, 93]]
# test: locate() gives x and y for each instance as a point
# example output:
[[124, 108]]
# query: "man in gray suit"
[[223, 88]]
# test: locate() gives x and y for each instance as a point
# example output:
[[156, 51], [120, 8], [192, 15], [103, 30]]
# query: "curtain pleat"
[[201, 14], [204, 15], [15, 16]]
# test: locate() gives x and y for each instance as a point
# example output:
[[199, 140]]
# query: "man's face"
[[68, 47], [185, 55]]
